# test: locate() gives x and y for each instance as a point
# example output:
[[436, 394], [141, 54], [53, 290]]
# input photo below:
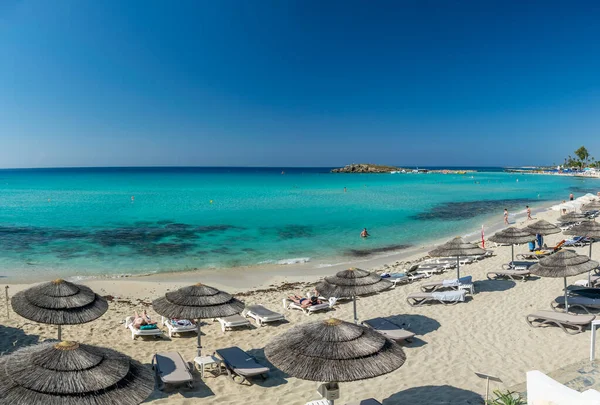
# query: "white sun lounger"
[[288, 304], [135, 332], [569, 323], [404, 278], [445, 297], [262, 314], [589, 305], [389, 329], [177, 329], [233, 321], [172, 369], [510, 274], [452, 284], [239, 363], [518, 265]]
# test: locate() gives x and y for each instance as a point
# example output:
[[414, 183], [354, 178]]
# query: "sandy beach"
[[488, 333]]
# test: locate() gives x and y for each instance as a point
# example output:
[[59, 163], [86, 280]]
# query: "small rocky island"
[[371, 168], [366, 168]]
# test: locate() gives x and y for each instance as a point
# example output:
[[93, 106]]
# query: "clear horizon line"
[[254, 166]]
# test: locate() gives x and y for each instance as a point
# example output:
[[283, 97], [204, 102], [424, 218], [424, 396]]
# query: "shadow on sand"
[[493, 285], [275, 377], [434, 395], [12, 339]]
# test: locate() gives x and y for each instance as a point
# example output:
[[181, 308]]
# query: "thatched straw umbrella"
[[457, 247], [59, 302], [197, 302], [543, 228], [512, 236], [563, 264], [594, 205], [352, 283], [334, 351], [69, 373], [591, 229], [571, 217]]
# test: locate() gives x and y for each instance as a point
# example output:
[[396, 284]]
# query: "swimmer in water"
[[345, 189], [364, 233], [132, 198]]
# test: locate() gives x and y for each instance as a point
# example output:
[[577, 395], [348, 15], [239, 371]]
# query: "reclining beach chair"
[[569, 323], [403, 278], [514, 275], [594, 282], [262, 314], [172, 369], [589, 305], [442, 297], [452, 284], [135, 332], [430, 269], [389, 329], [233, 321], [578, 241], [324, 306], [178, 328], [518, 265], [240, 364]]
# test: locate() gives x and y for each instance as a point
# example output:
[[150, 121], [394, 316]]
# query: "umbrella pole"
[[566, 300], [355, 316], [458, 267], [199, 347], [512, 251], [590, 272], [59, 332]]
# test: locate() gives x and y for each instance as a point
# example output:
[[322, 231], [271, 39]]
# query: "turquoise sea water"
[[84, 222]]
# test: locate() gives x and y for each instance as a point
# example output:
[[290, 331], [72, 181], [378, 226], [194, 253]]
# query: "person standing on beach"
[[505, 216], [528, 212], [571, 197]]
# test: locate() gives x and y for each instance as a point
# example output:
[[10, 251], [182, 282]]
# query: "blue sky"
[[297, 83]]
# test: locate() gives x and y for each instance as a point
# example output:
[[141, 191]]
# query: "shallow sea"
[[111, 221]]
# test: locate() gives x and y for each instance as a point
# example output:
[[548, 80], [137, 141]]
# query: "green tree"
[[582, 154]]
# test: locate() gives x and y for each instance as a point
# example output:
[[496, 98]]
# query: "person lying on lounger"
[[306, 302], [143, 319]]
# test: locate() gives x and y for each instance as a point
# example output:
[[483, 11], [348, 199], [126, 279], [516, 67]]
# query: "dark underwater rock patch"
[[456, 211]]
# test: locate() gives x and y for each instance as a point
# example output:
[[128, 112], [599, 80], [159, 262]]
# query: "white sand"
[[486, 334]]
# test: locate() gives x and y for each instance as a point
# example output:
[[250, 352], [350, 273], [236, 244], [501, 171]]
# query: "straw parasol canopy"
[[590, 229], [70, 373], [334, 351], [351, 283], [571, 217], [594, 205], [197, 301], [59, 302], [457, 247], [543, 228], [512, 236], [565, 263]]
